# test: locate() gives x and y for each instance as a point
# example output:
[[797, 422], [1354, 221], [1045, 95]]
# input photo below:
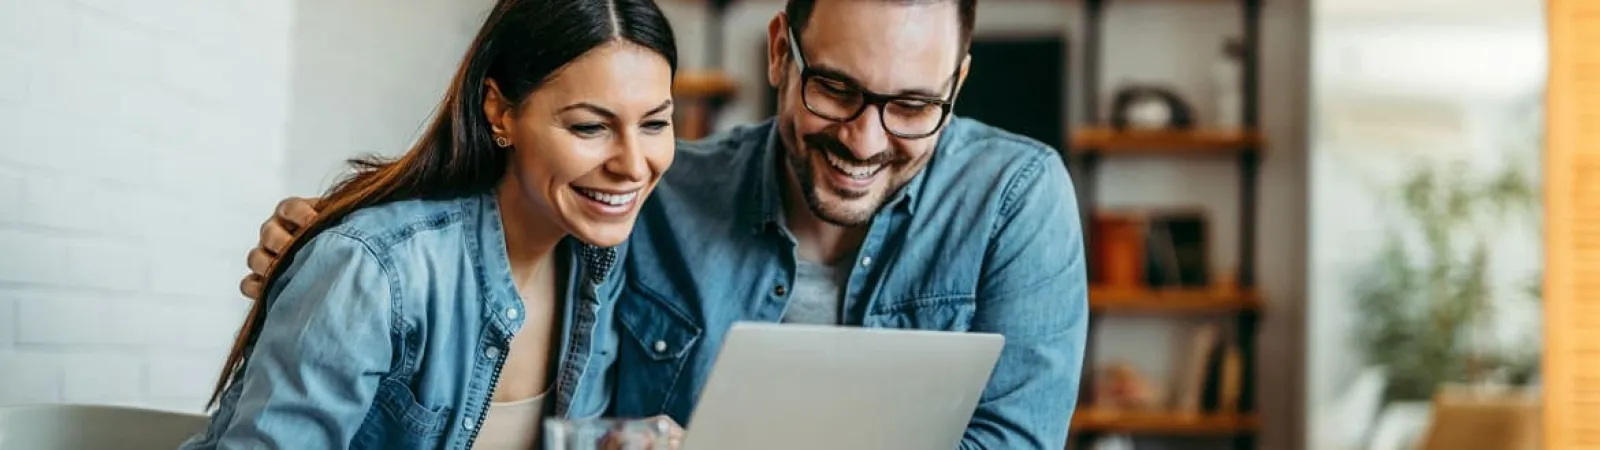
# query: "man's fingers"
[[259, 261], [251, 286], [292, 214], [674, 431], [275, 237], [658, 427], [296, 212]]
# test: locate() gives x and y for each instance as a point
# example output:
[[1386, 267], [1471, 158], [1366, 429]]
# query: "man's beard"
[[799, 159]]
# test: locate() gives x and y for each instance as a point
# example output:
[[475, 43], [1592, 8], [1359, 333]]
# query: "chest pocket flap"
[[661, 331]]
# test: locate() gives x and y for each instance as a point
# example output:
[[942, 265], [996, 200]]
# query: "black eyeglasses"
[[904, 116]]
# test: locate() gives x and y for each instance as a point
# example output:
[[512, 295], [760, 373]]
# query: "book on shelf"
[[1210, 379], [1176, 244], [1190, 379]]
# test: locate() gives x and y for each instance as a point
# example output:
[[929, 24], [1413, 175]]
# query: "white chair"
[[90, 427]]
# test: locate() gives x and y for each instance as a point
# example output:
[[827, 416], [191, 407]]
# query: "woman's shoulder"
[[384, 246], [384, 226]]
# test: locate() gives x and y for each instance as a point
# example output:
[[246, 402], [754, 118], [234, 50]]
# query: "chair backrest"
[[1464, 419], [88, 427]]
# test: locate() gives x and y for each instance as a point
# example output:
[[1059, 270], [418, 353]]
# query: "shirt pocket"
[[657, 340], [401, 421], [942, 313]]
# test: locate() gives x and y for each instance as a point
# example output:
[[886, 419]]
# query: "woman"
[[454, 296]]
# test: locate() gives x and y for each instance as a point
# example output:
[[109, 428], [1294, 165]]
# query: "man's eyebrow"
[[837, 74]]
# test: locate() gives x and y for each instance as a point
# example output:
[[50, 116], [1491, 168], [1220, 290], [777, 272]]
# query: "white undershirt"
[[512, 425]]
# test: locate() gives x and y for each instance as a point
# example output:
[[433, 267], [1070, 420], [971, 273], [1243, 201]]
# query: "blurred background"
[[1308, 218]]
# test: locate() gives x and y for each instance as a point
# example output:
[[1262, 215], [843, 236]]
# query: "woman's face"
[[589, 145]]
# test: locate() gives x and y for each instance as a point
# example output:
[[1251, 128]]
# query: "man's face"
[[845, 152]]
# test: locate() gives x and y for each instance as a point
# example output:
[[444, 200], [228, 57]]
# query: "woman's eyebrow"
[[663, 107], [588, 107]]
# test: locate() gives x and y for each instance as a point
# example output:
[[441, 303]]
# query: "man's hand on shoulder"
[[292, 215]]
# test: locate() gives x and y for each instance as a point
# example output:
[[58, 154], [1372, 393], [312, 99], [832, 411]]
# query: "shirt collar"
[[953, 135], [762, 202]]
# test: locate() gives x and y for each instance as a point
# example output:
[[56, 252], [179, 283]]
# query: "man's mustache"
[[829, 144]]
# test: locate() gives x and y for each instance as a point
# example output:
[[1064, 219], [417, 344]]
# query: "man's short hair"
[[799, 12]]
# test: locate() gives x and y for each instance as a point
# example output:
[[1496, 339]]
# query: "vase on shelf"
[[1227, 86]]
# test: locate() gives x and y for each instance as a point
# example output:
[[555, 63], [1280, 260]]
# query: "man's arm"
[[1034, 291], [313, 372]]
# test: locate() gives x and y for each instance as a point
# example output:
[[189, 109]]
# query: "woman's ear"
[[495, 108]]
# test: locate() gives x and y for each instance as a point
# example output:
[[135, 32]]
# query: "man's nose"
[[865, 134]]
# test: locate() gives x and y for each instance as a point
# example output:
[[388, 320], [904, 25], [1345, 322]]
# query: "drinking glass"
[[606, 434]]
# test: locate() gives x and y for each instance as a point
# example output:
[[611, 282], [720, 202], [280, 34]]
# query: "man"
[[864, 202]]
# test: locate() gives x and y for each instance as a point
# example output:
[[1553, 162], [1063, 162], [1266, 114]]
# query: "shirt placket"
[[596, 263], [856, 301]]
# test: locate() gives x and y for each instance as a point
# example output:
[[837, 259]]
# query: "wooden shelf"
[[1201, 300], [700, 95], [700, 84], [1170, 142], [1163, 423]]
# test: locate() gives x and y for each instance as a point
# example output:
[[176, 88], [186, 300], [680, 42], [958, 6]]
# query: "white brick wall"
[[142, 144]]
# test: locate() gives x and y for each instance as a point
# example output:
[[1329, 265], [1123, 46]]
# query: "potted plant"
[[1428, 292]]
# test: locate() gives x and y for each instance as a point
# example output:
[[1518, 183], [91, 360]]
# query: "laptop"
[[807, 387]]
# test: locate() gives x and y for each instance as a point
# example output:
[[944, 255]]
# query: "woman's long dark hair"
[[521, 45]]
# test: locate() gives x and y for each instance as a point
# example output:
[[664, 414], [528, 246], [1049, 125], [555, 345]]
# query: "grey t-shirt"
[[818, 293]]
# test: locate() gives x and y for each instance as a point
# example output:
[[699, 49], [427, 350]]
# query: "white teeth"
[[610, 199], [854, 171]]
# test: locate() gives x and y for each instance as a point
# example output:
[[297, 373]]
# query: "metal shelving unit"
[[1096, 140]]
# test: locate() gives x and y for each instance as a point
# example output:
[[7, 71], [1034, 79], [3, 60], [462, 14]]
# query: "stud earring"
[[502, 141]]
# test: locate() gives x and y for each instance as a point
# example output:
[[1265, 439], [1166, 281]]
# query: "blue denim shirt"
[[389, 331], [985, 239]]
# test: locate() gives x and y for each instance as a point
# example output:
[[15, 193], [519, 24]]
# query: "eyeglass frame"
[[869, 98]]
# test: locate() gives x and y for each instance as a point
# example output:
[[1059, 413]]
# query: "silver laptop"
[[801, 387]]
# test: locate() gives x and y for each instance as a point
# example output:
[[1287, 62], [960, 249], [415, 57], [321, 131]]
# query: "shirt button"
[[779, 291], [492, 352], [511, 313], [866, 261], [661, 346], [466, 425]]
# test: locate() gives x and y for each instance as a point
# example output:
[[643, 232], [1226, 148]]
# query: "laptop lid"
[[794, 387]]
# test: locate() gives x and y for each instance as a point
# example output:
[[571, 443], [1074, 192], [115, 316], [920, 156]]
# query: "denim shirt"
[[389, 331], [985, 239]]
